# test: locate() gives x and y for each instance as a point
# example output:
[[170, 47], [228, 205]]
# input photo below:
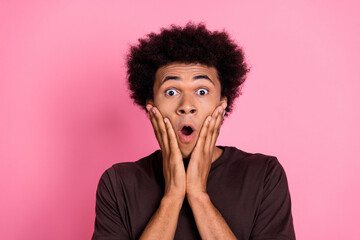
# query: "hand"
[[201, 158], [173, 166]]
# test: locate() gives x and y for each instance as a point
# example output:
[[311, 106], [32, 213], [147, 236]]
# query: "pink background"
[[66, 115]]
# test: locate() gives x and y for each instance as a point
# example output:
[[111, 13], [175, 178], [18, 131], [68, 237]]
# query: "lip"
[[186, 138]]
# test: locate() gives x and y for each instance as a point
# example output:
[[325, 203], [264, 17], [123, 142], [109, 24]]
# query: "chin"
[[185, 155], [186, 152]]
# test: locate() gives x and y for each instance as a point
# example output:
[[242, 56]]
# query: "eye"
[[171, 92], [202, 91]]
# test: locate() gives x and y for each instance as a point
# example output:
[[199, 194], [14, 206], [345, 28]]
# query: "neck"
[[216, 155]]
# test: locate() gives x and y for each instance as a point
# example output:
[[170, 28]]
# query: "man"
[[187, 79]]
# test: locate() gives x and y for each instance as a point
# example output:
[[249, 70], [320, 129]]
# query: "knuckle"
[[217, 131], [163, 131], [211, 130]]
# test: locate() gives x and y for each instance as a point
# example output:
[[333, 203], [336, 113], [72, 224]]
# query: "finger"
[[155, 126], [171, 136], [217, 127], [210, 132], [162, 128], [202, 136]]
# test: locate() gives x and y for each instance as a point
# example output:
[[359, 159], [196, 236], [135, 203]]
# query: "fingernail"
[[148, 108], [165, 120], [153, 110], [208, 118], [220, 109], [224, 106]]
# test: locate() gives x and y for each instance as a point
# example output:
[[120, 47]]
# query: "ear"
[[223, 100], [150, 101]]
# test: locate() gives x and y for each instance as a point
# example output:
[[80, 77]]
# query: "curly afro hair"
[[190, 44]]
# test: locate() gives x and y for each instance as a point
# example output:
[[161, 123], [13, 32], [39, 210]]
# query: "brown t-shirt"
[[249, 190]]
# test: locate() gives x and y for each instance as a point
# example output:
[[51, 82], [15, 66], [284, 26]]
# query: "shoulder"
[[265, 170], [143, 165], [251, 161], [132, 172]]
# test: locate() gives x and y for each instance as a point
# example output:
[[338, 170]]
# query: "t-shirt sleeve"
[[274, 218], [109, 224]]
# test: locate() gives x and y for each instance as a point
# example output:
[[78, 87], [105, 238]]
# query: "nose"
[[186, 106]]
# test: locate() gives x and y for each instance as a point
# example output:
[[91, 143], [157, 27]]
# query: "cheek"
[[164, 108], [210, 106]]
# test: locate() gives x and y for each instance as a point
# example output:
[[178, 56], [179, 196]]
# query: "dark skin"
[[192, 97]]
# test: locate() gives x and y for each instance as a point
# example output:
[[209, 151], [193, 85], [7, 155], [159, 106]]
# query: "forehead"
[[186, 70]]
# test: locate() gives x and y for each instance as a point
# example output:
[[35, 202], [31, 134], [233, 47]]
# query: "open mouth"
[[186, 134], [187, 131]]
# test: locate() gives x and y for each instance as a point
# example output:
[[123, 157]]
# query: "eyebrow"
[[195, 78]]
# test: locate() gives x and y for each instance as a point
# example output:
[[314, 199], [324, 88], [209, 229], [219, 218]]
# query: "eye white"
[[202, 91], [171, 92]]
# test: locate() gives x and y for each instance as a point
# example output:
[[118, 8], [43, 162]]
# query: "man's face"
[[186, 94]]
